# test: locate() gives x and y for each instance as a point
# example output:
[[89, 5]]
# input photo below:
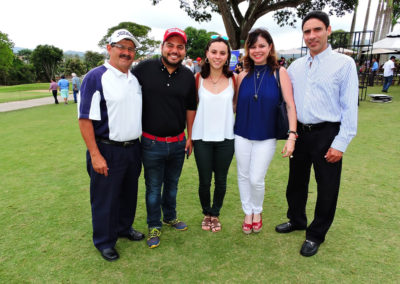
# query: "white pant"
[[253, 158]]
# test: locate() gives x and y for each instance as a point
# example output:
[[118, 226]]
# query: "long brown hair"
[[272, 61], [205, 67]]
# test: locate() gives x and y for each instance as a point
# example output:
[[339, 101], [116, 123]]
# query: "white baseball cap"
[[123, 34]]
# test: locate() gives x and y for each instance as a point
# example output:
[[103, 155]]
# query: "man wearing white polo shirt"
[[110, 120]]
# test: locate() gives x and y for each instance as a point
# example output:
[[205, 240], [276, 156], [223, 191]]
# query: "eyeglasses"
[[122, 47], [219, 36]]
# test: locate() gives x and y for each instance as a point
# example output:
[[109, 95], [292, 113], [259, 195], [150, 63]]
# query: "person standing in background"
[[76, 85], [53, 87], [63, 84], [388, 69]]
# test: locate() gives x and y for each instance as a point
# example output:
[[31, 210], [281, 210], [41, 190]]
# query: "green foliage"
[[93, 59], [140, 32], [197, 41], [238, 21], [339, 38], [46, 58], [6, 56], [396, 12], [74, 65], [21, 72], [25, 54]]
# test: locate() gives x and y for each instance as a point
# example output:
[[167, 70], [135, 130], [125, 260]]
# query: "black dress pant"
[[311, 147], [113, 198], [213, 157]]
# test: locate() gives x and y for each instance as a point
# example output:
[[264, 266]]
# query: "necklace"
[[258, 71], [256, 89], [215, 82]]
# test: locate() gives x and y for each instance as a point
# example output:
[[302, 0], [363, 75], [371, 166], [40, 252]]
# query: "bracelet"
[[294, 132], [292, 139]]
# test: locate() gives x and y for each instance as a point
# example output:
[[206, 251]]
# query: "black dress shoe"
[[309, 248], [286, 228], [109, 254], [133, 235]]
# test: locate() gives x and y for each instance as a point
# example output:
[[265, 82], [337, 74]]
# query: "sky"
[[79, 25]]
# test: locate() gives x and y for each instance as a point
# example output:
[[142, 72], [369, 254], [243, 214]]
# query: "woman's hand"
[[288, 149]]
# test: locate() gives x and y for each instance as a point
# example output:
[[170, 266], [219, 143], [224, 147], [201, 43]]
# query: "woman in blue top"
[[256, 113]]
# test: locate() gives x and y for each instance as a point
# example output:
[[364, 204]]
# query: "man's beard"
[[167, 62]]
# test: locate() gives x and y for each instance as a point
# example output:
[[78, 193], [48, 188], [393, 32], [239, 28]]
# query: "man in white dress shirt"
[[325, 87]]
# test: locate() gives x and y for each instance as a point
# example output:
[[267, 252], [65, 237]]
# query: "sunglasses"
[[219, 36]]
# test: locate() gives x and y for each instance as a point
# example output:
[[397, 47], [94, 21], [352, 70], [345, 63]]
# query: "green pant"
[[213, 157]]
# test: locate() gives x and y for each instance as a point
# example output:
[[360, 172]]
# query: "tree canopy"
[[196, 41], [45, 58], [238, 25], [6, 55], [93, 59], [140, 32]]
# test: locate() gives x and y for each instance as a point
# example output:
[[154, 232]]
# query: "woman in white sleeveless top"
[[212, 131]]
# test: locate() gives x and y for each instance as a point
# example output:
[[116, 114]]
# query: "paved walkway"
[[32, 103]]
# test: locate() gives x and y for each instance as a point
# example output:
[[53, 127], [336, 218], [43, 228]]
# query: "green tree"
[[74, 65], [46, 58], [93, 59], [140, 32], [25, 54], [396, 12], [6, 56], [21, 73], [196, 41], [238, 25], [339, 38]]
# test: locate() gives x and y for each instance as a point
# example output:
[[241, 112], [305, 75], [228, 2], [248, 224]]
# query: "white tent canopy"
[[391, 41]]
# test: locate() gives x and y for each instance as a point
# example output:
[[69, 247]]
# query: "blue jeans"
[[75, 93], [162, 164], [387, 83]]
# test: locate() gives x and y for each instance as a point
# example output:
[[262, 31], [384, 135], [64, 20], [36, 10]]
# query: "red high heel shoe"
[[257, 226], [247, 228]]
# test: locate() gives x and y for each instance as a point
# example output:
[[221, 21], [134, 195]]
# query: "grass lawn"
[[45, 217], [25, 92]]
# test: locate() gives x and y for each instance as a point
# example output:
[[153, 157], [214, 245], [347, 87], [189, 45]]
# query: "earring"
[[206, 60], [227, 63]]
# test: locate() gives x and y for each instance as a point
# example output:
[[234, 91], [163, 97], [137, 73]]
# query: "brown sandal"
[[215, 224], [206, 223]]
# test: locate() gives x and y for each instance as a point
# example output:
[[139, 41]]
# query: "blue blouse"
[[256, 118]]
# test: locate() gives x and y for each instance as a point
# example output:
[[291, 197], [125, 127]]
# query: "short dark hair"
[[62, 77], [392, 57], [322, 16]]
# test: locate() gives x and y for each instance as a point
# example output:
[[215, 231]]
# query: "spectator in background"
[[189, 64], [372, 74], [197, 65], [76, 85], [63, 84], [388, 69], [53, 87], [239, 65]]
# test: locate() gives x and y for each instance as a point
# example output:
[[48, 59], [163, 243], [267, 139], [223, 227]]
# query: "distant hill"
[[68, 52], [73, 53]]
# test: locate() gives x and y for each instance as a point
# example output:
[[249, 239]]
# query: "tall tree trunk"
[[365, 23], [387, 22], [353, 25], [377, 20]]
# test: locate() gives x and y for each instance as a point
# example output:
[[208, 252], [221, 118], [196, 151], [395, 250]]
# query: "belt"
[[117, 143], [311, 127], [168, 139]]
